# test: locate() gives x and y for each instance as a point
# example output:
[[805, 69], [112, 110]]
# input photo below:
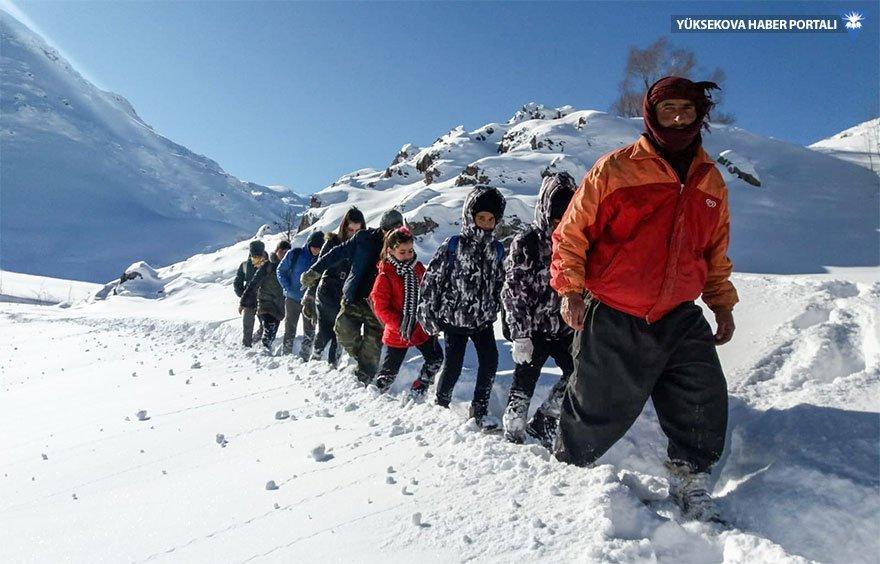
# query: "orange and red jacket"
[[387, 299], [641, 241]]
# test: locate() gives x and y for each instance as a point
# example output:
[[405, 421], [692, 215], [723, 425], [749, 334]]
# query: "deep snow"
[[799, 477]]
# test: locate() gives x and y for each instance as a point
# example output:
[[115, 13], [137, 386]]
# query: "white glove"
[[522, 351]]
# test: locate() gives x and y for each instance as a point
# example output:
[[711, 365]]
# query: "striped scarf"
[[410, 295]]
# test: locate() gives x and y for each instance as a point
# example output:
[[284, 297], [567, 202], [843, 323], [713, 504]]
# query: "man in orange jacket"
[[644, 236]]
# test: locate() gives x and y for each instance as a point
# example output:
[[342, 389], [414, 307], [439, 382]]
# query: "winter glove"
[[309, 278], [309, 310], [522, 351], [240, 310]]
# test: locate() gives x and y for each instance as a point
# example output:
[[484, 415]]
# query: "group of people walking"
[[603, 282]]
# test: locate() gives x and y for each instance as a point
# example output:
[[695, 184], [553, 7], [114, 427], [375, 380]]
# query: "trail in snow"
[[796, 481]]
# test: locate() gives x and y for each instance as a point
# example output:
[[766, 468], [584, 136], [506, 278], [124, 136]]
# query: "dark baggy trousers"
[[622, 362], [393, 358], [364, 348], [487, 360], [292, 311], [525, 376], [270, 328], [326, 334]]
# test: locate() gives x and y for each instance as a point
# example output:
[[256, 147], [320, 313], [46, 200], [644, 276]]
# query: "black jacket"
[[328, 292], [362, 253], [243, 277], [266, 290], [531, 306]]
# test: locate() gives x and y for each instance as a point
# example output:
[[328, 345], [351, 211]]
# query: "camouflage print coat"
[[531, 306], [462, 294]]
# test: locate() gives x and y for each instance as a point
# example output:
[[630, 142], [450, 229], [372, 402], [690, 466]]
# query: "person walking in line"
[[248, 311], [645, 235], [294, 263], [269, 295], [357, 328], [531, 309], [328, 291], [395, 299], [461, 296]]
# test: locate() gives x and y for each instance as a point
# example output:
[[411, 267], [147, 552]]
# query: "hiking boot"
[[543, 427], [690, 491], [514, 418], [418, 389], [384, 381], [364, 378], [479, 413]]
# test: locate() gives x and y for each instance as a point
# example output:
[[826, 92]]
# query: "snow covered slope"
[[859, 144], [26, 288], [86, 184], [396, 482], [803, 195]]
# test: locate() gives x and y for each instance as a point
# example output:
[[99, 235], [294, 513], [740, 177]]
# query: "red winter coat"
[[387, 298]]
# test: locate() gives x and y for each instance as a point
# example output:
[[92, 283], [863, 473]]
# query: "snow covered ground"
[[859, 144], [85, 479], [26, 288]]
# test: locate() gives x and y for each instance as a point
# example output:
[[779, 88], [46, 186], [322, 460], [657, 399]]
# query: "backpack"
[[451, 253]]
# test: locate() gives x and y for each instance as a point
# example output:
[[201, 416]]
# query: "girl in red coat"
[[395, 298]]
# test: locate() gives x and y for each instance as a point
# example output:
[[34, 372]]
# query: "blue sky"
[[301, 93]]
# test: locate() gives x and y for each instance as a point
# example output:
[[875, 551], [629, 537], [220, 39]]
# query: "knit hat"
[[391, 219], [256, 248], [489, 201], [316, 239], [559, 200], [676, 88]]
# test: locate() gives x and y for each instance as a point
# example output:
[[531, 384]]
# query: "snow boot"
[[384, 382], [514, 418], [690, 491], [479, 413], [543, 427], [418, 389]]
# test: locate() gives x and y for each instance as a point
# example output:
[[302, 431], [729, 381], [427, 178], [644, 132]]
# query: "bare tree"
[[288, 223], [646, 66]]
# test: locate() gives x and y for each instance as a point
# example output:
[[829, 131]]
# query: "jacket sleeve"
[[254, 284], [326, 261], [431, 291], [719, 293], [238, 284], [571, 239], [386, 311], [284, 271], [518, 294]]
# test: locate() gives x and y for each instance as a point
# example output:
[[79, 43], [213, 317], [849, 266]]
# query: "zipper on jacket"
[[675, 240]]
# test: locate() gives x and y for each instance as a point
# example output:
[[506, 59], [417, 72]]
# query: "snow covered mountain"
[[86, 184], [783, 196], [859, 144]]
